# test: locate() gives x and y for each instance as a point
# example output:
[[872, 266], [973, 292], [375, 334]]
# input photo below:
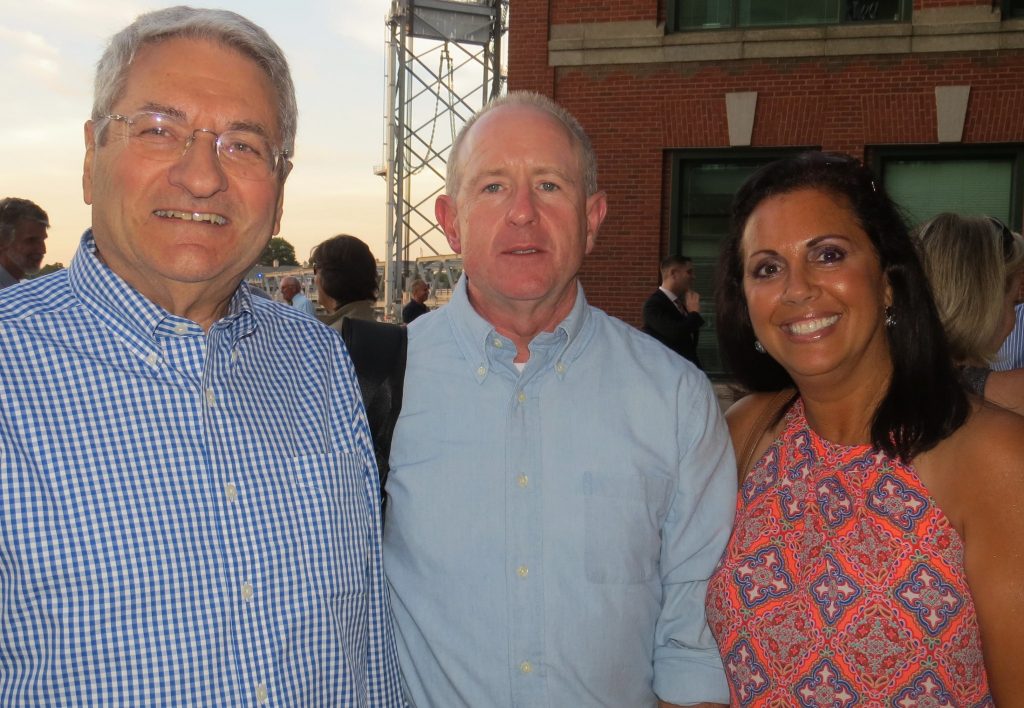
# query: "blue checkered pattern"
[[186, 518]]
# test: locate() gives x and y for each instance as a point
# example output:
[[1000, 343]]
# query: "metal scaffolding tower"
[[433, 87]]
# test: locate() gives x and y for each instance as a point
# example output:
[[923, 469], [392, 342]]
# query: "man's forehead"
[[148, 74]]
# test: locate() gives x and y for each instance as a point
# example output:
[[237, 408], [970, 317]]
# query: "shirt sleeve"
[[687, 665]]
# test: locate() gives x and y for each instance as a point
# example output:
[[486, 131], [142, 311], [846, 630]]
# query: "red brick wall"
[[572, 11], [634, 113]]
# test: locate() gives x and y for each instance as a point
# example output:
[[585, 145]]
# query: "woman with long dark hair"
[[876, 557]]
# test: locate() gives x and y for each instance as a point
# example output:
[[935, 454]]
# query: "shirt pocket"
[[332, 511], [622, 526]]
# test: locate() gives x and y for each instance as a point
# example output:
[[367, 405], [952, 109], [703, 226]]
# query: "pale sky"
[[337, 53]]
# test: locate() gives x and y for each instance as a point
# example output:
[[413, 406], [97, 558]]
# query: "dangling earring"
[[890, 316], [758, 347]]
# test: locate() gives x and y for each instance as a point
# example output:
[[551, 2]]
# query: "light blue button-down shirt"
[[550, 534], [186, 518], [1011, 353]]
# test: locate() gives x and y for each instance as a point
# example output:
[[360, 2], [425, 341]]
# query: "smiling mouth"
[[811, 326], [523, 251], [215, 219]]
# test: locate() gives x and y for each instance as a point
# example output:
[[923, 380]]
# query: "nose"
[[800, 286], [198, 171], [522, 210]]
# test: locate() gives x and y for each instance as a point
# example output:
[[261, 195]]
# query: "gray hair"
[[13, 210], [221, 26], [528, 99]]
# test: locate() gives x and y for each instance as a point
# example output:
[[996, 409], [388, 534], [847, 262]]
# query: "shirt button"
[[181, 328], [560, 367], [234, 356], [523, 571], [247, 592], [211, 399], [522, 480], [496, 342], [261, 693], [152, 359], [521, 397], [526, 667], [231, 491], [481, 371]]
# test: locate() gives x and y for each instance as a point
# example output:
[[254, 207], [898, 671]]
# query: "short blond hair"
[[970, 262]]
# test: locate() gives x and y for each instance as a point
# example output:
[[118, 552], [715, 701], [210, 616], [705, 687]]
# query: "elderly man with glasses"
[[163, 540]]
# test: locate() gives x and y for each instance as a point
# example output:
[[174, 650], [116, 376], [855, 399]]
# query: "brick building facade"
[[683, 99]]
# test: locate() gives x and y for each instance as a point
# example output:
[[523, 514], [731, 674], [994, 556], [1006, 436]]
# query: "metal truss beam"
[[444, 63]]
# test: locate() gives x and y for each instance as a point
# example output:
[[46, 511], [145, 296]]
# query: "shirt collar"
[[668, 293], [129, 313], [475, 336]]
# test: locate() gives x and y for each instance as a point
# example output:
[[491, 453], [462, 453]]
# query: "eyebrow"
[[810, 244], [538, 172], [250, 126]]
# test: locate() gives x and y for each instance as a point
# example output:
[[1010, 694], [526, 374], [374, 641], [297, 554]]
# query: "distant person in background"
[[672, 312], [974, 266], [418, 292], [291, 290], [22, 239], [346, 279]]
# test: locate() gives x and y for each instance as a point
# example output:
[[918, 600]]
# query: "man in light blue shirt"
[[562, 486], [165, 539], [292, 292]]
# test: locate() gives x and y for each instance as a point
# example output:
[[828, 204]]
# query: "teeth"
[[525, 250], [215, 219], [812, 326]]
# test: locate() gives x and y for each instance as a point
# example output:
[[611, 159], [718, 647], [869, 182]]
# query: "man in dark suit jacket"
[[672, 313]]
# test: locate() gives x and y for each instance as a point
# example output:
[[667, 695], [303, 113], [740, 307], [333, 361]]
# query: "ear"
[[447, 218], [90, 160], [597, 209], [279, 209]]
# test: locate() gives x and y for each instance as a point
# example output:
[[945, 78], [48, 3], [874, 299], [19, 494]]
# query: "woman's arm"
[[989, 485]]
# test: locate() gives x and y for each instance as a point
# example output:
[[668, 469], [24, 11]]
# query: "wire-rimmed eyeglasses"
[[157, 136]]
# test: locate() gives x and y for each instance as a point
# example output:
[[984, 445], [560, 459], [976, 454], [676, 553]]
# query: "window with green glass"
[[709, 14], [703, 185], [961, 180]]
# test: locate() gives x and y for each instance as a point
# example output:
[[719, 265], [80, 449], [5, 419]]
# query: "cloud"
[[363, 23]]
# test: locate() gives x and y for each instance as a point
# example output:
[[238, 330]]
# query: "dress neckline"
[[797, 416]]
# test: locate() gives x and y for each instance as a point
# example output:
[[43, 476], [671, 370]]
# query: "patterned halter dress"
[[843, 584]]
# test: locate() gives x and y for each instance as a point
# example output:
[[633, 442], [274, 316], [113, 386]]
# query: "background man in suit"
[[672, 313]]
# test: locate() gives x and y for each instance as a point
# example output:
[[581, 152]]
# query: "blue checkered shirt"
[[186, 518]]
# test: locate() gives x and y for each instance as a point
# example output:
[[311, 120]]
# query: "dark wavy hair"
[[347, 269], [925, 402]]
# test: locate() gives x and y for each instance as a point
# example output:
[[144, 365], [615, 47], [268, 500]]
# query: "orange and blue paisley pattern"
[[843, 584]]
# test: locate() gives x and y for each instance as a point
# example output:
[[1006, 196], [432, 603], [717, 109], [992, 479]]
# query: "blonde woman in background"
[[974, 264]]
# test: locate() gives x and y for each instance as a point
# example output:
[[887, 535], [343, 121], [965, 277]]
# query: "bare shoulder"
[[991, 442], [1006, 388], [979, 467], [744, 413], [745, 417]]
